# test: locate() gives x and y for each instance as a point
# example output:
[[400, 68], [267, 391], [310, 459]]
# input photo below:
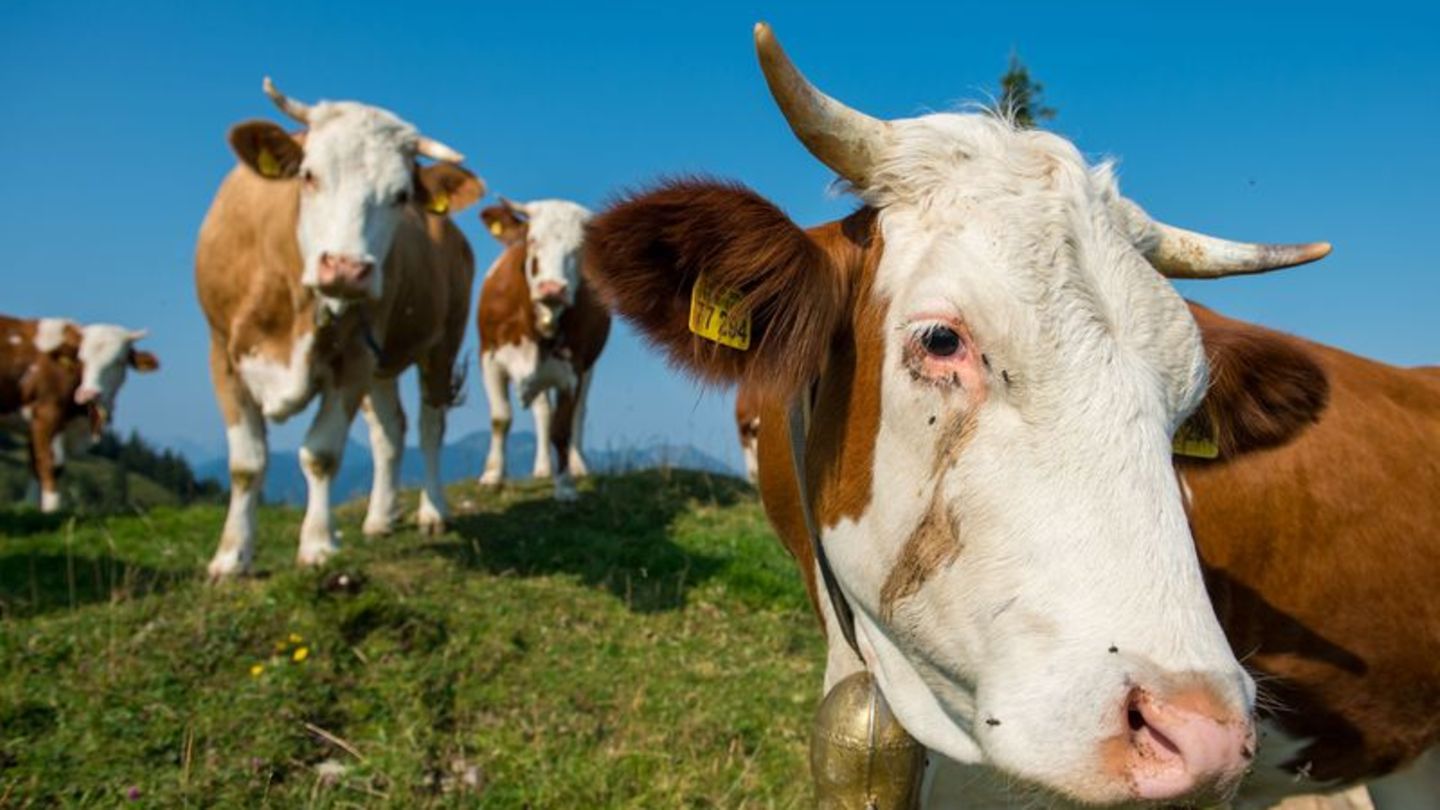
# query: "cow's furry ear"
[[1265, 387], [143, 361], [444, 188], [503, 224], [646, 253], [267, 149]]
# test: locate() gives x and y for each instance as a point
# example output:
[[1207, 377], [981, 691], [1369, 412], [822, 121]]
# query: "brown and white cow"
[[747, 427], [994, 370], [63, 379], [326, 266], [542, 329]]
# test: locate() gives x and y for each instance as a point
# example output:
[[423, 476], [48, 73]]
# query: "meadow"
[[648, 646]]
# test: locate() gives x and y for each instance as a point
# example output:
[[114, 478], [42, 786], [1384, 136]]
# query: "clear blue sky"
[[1306, 121]]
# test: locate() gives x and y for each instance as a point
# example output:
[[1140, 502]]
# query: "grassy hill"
[[116, 475], [649, 646]]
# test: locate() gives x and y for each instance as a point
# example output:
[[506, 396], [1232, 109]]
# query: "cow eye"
[[308, 178], [402, 197], [940, 341]]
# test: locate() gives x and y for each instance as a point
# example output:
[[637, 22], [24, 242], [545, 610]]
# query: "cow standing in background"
[[747, 427], [63, 379], [541, 328], [326, 266]]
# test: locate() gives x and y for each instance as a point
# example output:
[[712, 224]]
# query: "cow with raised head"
[[63, 378], [542, 329], [326, 266], [978, 374]]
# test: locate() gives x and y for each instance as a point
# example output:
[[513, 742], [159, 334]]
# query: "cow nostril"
[[1135, 718]]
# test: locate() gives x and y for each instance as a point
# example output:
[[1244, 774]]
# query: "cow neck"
[[799, 422], [328, 328]]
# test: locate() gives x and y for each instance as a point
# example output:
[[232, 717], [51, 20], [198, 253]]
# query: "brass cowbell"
[[861, 758]]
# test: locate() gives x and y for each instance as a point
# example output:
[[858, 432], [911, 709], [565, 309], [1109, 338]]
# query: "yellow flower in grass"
[[257, 670], [301, 653], [295, 638]]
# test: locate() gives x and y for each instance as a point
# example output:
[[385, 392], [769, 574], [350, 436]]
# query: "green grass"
[[649, 646]]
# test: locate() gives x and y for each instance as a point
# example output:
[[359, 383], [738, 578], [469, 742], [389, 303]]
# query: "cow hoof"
[[542, 474], [431, 526], [578, 468], [377, 527], [226, 567], [316, 555], [491, 478]]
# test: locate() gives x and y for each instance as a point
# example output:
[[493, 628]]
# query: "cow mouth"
[[547, 317]]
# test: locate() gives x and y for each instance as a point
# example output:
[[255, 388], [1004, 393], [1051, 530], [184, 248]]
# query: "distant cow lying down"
[[63, 378], [542, 329]]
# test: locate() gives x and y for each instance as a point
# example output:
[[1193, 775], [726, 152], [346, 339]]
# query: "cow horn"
[[298, 110], [1185, 254], [435, 150], [846, 140]]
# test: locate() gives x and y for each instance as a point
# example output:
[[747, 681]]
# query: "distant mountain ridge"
[[461, 459]]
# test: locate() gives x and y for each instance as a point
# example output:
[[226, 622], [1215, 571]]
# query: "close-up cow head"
[[552, 233], [995, 369], [357, 176]]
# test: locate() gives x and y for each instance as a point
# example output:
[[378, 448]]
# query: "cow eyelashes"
[[308, 178]]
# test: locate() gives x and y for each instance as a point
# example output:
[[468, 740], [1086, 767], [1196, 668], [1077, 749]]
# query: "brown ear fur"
[[444, 188], [267, 149], [502, 224], [142, 361], [1265, 388], [644, 254]]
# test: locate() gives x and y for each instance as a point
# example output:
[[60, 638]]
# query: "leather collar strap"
[[844, 616]]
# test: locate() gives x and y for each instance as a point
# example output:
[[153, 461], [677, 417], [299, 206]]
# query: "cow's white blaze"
[[357, 178], [105, 353], [1069, 535], [555, 233]]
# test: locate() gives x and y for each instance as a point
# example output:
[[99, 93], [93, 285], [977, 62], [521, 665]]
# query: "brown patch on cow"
[[846, 416], [44, 383], [934, 545], [1265, 388], [241, 480], [645, 254], [1319, 553]]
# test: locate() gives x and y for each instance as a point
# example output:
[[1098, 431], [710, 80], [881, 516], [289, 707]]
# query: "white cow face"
[[1026, 583], [106, 353], [553, 233], [357, 176]]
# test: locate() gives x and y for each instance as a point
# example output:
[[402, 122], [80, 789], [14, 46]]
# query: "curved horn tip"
[[268, 86], [764, 34]]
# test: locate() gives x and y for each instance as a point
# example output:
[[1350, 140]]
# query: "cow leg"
[[386, 418], [497, 391], [577, 465], [245, 439], [320, 457], [560, 437], [433, 510], [45, 462], [544, 420]]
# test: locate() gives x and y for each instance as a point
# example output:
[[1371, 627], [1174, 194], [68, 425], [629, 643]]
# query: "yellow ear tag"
[[497, 227], [269, 166], [715, 315], [439, 202], [1191, 441]]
